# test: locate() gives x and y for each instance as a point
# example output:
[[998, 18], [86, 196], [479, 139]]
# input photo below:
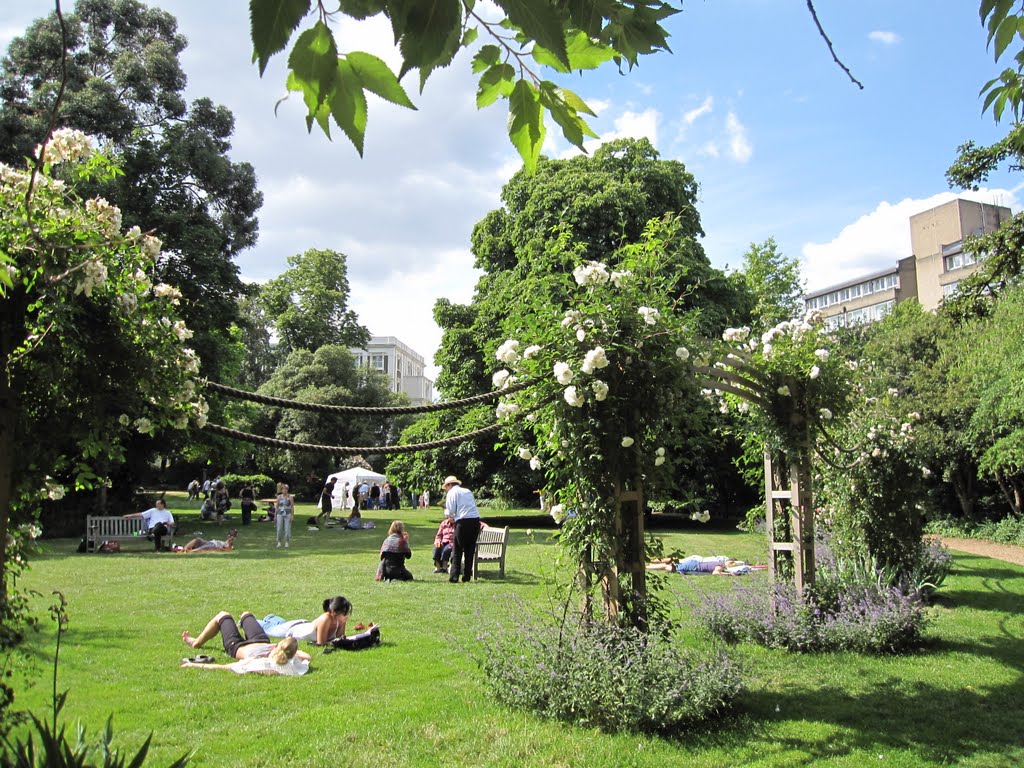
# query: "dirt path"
[[1008, 552]]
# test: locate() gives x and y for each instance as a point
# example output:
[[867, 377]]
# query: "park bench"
[[490, 548], [100, 528]]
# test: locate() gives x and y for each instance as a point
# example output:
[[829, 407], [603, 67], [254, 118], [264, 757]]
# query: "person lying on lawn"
[[326, 627], [717, 565], [254, 653], [211, 545]]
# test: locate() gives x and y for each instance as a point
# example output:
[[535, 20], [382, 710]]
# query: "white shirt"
[[155, 515], [294, 666], [460, 504]]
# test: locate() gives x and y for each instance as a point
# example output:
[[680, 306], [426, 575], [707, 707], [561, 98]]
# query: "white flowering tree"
[[611, 367], [607, 351], [91, 350]]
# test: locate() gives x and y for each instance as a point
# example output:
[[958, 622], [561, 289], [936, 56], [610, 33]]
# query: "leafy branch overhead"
[[1004, 20], [532, 35]]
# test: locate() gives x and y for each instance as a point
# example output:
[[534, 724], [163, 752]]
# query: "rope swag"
[[363, 410], [345, 450]]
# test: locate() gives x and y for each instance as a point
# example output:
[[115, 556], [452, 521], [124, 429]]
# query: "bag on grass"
[[367, 639]]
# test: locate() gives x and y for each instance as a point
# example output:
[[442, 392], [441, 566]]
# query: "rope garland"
[[364, 410], [348, 450]]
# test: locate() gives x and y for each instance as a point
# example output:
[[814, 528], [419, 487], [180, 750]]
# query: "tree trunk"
[[963, 487]]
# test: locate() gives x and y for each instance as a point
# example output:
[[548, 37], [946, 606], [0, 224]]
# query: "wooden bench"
[[490, 548], [99, 528]]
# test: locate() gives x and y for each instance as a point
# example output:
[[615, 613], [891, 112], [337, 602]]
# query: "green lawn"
[[419, 700]]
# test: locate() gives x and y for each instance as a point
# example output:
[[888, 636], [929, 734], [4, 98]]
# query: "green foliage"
[[529, 35], [1004, 27], [600, 676], [327, 376], [88, 339], [306, 306], [262, 485], [774, 280]]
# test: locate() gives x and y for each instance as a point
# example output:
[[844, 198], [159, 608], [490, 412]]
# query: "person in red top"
[[444, 540]]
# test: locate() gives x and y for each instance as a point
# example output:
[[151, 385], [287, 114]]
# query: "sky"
[[780, 141]]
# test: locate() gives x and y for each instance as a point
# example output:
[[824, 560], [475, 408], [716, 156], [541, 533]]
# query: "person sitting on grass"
[[322, 630], [254, 653], [211, 545], [355, 520], [393, 554], [717, 565]]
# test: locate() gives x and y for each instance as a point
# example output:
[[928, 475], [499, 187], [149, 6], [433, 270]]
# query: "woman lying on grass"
[[322, 630], [255, 653], [717, 565], [211, 545]]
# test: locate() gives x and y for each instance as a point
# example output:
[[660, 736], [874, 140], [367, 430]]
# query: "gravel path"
[[1007, 552]]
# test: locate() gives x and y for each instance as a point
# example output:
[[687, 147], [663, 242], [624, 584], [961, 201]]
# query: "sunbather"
[[212, 545], [717, 565], [254, 653], [321, 631]]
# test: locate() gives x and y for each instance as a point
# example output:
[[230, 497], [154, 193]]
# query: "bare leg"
[[660, 567], [209, 631]]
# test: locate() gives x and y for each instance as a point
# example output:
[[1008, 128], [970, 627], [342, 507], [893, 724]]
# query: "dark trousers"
[[467, 530], [159, 531]]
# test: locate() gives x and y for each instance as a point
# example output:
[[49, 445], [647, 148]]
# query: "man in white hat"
[[461, 506]]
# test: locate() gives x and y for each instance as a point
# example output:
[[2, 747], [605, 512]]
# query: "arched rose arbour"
[[615, 355]]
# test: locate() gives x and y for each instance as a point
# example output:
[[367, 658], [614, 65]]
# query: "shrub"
[[262, 485], [597, 675], [861, 617]]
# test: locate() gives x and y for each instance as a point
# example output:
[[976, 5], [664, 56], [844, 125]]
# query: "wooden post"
[[801, 518]]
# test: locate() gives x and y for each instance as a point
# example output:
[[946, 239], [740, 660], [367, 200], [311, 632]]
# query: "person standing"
[[326, 501], [285, 510], [159, 522], [248, 503], [461, 506]]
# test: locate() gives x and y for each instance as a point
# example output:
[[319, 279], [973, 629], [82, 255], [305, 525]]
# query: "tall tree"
[[307, 305], [774, 281], [124, 85], [583, 208]]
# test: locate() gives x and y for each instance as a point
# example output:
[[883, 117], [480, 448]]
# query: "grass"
[[419, 700]]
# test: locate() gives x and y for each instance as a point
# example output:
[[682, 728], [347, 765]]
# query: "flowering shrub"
[[871, 496], [90, 333], [608, 368], [608, 677], [793, 373], [833, 617]]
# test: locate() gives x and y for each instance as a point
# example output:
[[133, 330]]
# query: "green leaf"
[[576, 102], [496, 81], [272, 23], [314, 64], [486, 57], [1005, 34], [378, 78], [588, 15], [583, 53], [985, 9], [348, 105], [429, 26], [469, 37], [574, 128], [538, 20], [526, 123], [361, 9]]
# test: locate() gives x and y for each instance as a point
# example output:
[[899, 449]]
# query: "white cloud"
[[628, 125], [703, 109], [739, 145], [710, 149], [877, 240], [884, 37]]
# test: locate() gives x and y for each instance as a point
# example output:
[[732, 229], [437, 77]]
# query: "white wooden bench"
[[490, 548], [100, 528]]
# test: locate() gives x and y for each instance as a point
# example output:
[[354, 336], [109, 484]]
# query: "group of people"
[[271, 646], [454, 542]]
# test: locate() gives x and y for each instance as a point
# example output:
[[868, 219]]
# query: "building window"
[[379, 362], [959, 260], [950, 288]]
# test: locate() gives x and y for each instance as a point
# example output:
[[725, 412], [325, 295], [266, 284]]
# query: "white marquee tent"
[[352, 476]]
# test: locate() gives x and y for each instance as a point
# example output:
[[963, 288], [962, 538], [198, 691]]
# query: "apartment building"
[[937, 264], [403, 366]]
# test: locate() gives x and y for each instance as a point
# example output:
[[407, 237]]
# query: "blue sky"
[[781, 143]]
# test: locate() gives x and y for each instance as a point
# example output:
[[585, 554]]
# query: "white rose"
[[563, 373], [572, 397], [627, 441]]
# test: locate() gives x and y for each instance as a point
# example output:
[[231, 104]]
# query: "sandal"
[[201, 659]]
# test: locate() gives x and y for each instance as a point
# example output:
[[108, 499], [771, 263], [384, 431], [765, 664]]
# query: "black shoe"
[[453, 580]]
